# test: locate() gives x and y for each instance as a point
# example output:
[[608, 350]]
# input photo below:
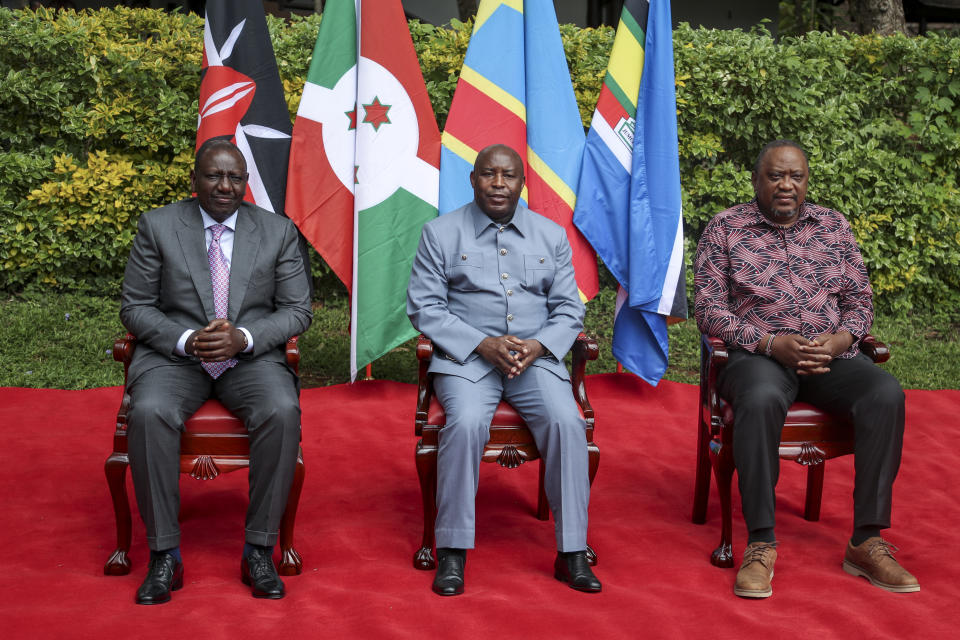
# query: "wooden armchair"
[[810, 437], [213, 441], [511, 443]]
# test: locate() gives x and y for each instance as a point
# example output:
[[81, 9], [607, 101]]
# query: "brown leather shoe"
[[756, 572], [873, 559]]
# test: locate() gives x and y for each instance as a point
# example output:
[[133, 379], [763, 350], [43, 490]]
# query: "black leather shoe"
[[164, 574], [574, 569], [449, 578], [257, 570]]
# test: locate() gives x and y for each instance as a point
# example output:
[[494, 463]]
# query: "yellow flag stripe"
[[498, 95], [551, 178], [626, 63], [488, 7]]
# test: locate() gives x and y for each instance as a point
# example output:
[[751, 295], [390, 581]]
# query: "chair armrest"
[[293, 354], [123, 352], [584, 348], [713, 357], [424, 382], [874, 349]]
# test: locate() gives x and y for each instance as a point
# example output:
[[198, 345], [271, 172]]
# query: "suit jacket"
[[167, 289], [471, 279]]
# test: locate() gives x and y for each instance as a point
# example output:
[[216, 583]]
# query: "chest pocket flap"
[[464, 270]]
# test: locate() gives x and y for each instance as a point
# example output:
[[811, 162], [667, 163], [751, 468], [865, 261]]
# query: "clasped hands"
[[216, 342], [510, 354], [810, 357]]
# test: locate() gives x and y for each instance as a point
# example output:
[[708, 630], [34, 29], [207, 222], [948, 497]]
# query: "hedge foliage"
[[98, 117]]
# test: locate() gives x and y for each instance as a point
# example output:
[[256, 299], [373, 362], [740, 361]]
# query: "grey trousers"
[[761, 391], [264, 394], [546, 404]]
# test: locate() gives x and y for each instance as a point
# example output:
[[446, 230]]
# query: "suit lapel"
[[246, 245], [193, 245]]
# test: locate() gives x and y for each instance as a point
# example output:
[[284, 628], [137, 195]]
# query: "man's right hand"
[[806, 356], [504, 352]]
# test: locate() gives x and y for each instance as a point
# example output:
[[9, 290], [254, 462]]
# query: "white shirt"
[[226, 246]]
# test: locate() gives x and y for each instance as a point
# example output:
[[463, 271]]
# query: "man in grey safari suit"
[[493, 287], [213, 289]]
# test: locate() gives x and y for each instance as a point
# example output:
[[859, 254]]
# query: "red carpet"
[[360, 521]]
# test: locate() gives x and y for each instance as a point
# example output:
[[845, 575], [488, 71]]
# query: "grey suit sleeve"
[[140, 309], [292, 314], [563, 303], [427, 302]]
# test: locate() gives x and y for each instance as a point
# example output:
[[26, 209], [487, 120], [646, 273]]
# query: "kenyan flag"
[[364, 165]]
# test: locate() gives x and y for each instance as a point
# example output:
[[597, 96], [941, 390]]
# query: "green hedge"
[[98, 116]]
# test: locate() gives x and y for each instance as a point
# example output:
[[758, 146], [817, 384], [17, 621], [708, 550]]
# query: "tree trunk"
[[467, 8], [882, 16]]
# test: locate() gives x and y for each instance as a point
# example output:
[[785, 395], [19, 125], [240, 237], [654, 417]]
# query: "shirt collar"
[[482, 221], [230, 223]]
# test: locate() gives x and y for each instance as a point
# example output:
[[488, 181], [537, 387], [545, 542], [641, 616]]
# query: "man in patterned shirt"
[[782, 283]]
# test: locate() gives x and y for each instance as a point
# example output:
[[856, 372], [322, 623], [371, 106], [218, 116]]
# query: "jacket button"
[[541, 260], [509, 292], [463, 256], [504, 275], [503, 252], [509, 317]]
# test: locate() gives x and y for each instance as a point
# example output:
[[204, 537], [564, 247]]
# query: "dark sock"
[[860, 534], [175, 552], [761, 535], [249, 548]]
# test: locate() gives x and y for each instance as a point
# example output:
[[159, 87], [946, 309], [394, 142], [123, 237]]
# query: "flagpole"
[[356, 188]]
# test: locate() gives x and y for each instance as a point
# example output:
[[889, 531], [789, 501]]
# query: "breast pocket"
[[465, 271], [538, 272]]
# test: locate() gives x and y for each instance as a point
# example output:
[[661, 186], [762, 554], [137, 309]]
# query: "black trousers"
[[264, 394], [761, 391]]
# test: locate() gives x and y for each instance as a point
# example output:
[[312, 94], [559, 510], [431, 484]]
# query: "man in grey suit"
[[213, 289], [493, 287]]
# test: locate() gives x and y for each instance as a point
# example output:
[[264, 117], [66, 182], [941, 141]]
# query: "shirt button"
[[504, 275], [503, 252], [509, 292], [509, 317], [463, 256], [500, 230]]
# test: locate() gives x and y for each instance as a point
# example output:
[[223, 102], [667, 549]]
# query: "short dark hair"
[[775, 145], [498, 147], [216, 143]]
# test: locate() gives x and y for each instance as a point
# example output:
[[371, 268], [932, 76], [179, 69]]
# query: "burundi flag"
[[629, 199], [241, 96], [364, 165], [515, 89]]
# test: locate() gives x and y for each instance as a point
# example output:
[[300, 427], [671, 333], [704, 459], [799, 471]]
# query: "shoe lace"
[[259, 565], [160, 567], [759, 553], [881, 547]]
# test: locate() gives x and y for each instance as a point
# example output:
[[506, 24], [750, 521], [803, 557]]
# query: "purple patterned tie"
[[220, 279]]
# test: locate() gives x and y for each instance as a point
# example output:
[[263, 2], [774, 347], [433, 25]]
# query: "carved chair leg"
[[701, 487], [543, 505], [722, 556], [291, 564], [811, 511], [115, 469], [426, 458]]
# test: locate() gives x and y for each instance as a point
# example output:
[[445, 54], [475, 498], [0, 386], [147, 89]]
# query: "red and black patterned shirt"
[[755, 277]]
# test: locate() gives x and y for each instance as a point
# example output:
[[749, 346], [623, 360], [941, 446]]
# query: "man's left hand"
[[218, 341]]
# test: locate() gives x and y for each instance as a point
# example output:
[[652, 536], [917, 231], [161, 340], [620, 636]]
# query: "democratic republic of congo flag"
[[515, 89], [364, 165], [241, 96], [628, 205]]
